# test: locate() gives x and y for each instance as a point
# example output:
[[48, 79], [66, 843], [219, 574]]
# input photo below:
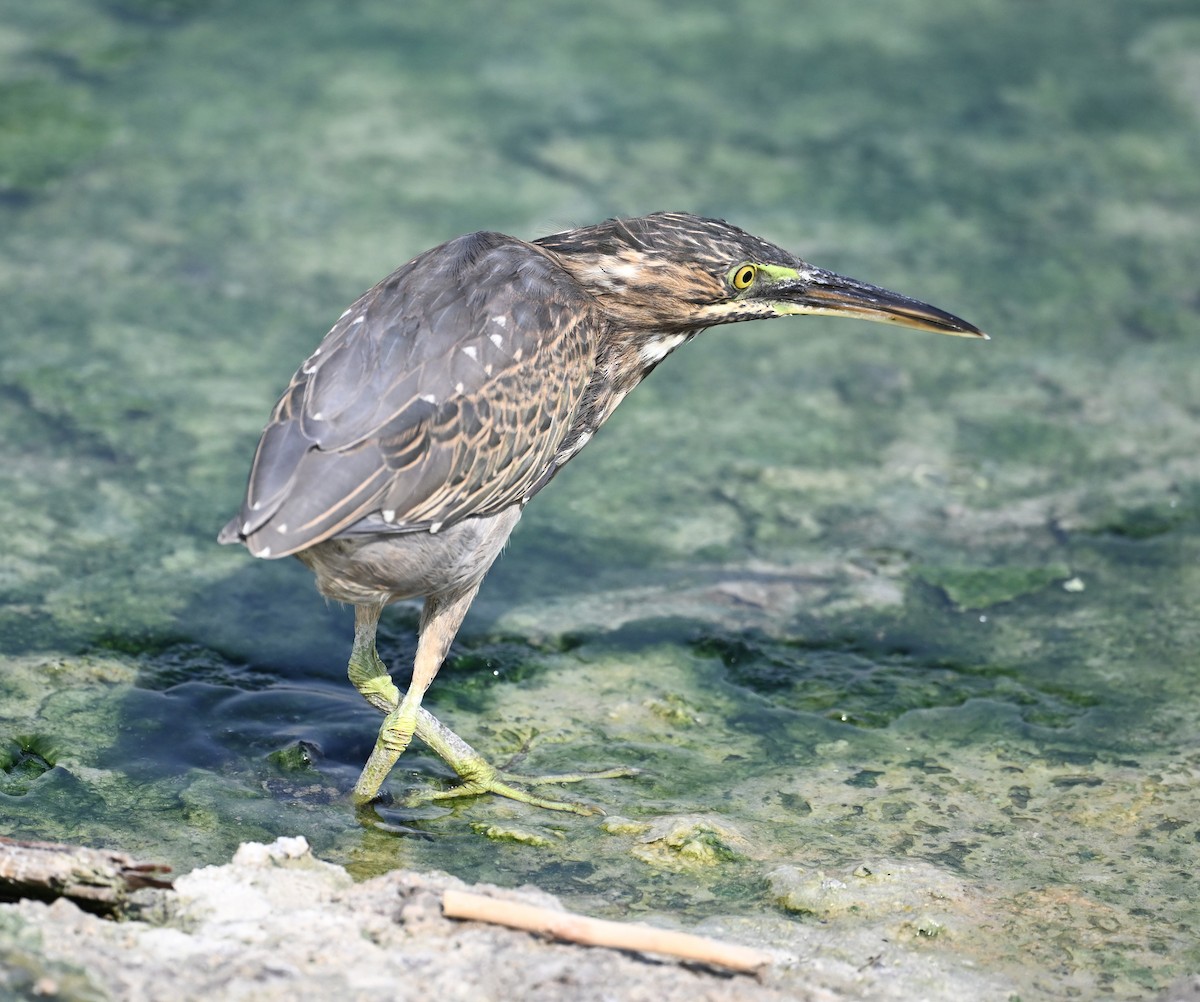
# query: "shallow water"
[[844, 593]]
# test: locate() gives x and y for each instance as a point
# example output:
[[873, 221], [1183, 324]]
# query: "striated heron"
[[399, 459]]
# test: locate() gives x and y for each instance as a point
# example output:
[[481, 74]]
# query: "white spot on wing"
[[429, 398], [458, 387], [435, 528], [389, 514], [360, 318], [470, 351], [264, 552], [496, 339], [499, 321], [281, 527]]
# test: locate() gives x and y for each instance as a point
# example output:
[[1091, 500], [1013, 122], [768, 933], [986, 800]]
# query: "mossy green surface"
[[45, 131], [980, 587], [812, 578]]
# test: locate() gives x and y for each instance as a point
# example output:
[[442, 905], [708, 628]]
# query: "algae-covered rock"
[[517, 834], [972, 588], [689, 841], [907, 894]]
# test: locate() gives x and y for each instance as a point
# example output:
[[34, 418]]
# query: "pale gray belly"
[[388, 567]]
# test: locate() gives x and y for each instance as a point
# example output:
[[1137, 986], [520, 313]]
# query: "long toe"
[[501, 788], [478, 777]]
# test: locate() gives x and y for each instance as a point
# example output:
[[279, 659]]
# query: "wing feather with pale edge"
[[443, 392]]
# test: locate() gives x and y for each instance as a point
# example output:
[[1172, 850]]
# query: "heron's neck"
[[622, 361]]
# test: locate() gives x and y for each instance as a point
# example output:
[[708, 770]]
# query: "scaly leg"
[[367, 672], [440, 620], [370, 677]]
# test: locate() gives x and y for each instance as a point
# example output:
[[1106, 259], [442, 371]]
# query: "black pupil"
[[745, 276]]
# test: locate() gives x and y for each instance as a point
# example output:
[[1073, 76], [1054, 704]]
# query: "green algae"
[[159, 11], [23, 760], [46, 131], [295, 756], [516, 835], [981, 587]]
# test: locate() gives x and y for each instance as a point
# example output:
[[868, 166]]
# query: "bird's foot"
[[478, 776]]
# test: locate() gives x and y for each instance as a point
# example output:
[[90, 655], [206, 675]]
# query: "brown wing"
[[442, 393]]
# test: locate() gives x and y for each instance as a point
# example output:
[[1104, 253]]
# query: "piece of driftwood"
[[98, 880], [586, 931]]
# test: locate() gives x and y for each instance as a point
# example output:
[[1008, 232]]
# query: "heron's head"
[[675, 271]]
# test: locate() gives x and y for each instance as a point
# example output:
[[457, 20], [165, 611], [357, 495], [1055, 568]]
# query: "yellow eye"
[[743, 278]]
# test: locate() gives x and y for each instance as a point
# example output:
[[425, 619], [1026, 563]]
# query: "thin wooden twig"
[[586, 931]]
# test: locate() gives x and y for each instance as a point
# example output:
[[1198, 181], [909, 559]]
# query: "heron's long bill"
[[826, 293]]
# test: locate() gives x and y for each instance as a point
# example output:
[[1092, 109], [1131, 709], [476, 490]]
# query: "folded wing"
[[443, 392]]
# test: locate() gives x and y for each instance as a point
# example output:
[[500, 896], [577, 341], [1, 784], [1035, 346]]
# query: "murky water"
[[844, 593]]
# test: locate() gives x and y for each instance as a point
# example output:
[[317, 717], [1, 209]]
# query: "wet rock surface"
[[276, 923]]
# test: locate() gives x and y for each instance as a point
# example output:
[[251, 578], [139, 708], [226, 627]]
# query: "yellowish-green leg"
[[440, 620], [367, 672], [370, 676]]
